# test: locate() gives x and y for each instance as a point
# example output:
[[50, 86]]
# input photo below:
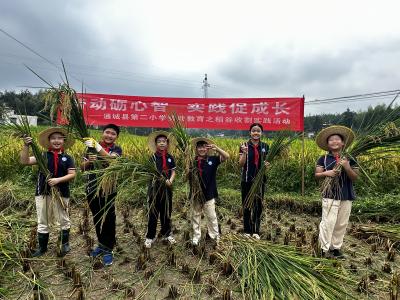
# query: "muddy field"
[[181, 271]]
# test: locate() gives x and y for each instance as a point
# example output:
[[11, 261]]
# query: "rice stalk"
[[279, 146], [264, 268], [123, 176], [7, 198], [377, 139], [63, 101], [24, 130], [186, 150]]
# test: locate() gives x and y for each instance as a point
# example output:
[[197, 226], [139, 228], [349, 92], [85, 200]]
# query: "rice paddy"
[[289, 228]]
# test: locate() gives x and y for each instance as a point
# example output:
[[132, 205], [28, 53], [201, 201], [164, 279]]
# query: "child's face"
[[56, 140], [202, 150], [255, 133], [109, 136], [162, 143], [335, 142]]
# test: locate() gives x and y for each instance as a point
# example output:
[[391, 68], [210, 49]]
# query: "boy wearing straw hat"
[[62, 170], [206, 170], [102, 206], [338, 191], [160, 189]]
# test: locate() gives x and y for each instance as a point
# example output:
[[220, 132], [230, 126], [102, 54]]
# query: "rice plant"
[[377, 139], [63, 101], [280, 144], [270, 271], [23, 129], [188, 154]]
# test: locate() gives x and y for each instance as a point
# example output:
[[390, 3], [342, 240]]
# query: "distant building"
[[11, 117]]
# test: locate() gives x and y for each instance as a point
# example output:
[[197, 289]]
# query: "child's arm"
[[71, 175], [320, 173], [25, 159], [92, 143], [223, 155], [171, 179]]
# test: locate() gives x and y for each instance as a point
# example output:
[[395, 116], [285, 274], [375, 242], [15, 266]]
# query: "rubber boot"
[[65, 248], [43, 239]]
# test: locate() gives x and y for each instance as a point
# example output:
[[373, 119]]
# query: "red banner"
[[212, 113]]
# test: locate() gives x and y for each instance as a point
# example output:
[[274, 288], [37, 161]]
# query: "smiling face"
[[109, 136], [255, 133], [201, 149], [335, 142], [161, 143], [56, 140]]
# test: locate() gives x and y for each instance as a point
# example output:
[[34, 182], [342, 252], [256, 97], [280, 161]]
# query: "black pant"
[[252, 215], [160, 203], [103, 211]]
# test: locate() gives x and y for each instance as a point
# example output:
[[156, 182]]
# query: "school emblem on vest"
[[263, 150], [169, 160], [64, 159], [210, 163]]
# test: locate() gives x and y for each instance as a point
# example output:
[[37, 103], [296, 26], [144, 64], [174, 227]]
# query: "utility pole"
[[205, 86]]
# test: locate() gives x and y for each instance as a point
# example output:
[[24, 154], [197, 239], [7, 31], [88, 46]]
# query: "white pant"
[[51, 212], [335, 217], [212, 222]]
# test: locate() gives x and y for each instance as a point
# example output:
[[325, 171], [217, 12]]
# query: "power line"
[[355, 97], [36, 53], [352, 98], [102, 72], [27, 47], [383, 98], [126, 78]]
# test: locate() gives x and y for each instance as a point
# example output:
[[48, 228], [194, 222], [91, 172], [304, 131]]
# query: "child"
[[102, 206], [252, 155], [160, 191], [62, 169], [337, 199], [207, 173]]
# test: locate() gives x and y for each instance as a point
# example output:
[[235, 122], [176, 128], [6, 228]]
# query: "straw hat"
[[194, 142], [324, 134], [151, 140], [45, 135]]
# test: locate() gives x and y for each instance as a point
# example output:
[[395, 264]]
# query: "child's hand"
[[345, 163], [244, 148], [91, 143], [92, 157], [212, 147], [27, 140], [331, 173], [168, 182], [267, 164], [53, 181]]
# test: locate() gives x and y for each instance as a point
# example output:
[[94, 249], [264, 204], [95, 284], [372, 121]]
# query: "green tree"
[[347, 118]]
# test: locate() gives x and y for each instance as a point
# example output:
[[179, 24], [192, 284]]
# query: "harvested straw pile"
[[270, 271]]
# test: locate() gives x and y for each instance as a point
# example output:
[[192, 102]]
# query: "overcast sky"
[[319, 49]]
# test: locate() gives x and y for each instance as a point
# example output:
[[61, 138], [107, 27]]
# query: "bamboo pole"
[[303, 157], [302, 164]]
